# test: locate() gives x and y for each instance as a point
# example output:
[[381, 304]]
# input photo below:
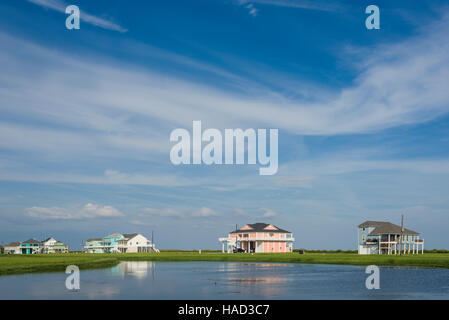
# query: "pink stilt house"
[[258, 237]]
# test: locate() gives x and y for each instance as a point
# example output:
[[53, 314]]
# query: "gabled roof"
[[13, 244], [31, 241], [114, 235], [129, 236], [260, 227], [95, 239], [48, 239], [381, 227]]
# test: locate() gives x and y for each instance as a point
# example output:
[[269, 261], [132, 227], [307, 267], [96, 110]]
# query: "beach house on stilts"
[[378, 237], [120, 243], [258, 237]]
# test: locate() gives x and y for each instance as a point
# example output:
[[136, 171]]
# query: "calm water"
[[230, 280]]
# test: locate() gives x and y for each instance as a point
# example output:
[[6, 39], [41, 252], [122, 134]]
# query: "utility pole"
[[236, 235], [152, 239], [402, 234]]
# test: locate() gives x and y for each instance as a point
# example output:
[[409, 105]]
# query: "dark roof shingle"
[[260, 227], [95, 239], [13, 244], [129, 236], [31, 241], [381, 227]]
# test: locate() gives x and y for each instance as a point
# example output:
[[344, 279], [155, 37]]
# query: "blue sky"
[[86, 117]]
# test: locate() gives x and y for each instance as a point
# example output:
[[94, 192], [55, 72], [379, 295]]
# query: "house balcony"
[[392, 243], [246, 239], [97, 247], [403, 241]]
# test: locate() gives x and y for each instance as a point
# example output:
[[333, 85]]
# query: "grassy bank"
[[426, 260], [16, 264]]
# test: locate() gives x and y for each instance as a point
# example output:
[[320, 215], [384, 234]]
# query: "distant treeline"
[[176, 250], [355, 251], [324, 251], [295, 251], [437, 251], [304, 250]]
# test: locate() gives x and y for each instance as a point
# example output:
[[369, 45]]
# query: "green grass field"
[[16, 264]]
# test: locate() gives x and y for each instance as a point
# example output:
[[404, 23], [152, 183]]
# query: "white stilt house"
[[378, 237], [120, 243]]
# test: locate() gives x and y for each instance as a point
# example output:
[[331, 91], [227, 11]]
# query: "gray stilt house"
[[378, 237]]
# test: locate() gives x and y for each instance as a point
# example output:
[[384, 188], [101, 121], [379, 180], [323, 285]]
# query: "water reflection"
[[233, 266], [262, 279], [229, 280], [265, 280], [137, 269], [106, 292]]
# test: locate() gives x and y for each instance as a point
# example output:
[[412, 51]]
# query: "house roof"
[[259, 227], [114, 235], [47, 239], [13, 244], [31, 241], [381, 227], [129, 236], [95, 239]]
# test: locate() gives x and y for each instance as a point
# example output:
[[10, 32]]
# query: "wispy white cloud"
[[176, 213], [88, 211], [141, 223], [166, 212], [205, 212], [337, 164], [251, 9], [240, 212], [379, 98], [111, 177], [100, 109], [298, 4], [58, 5], [268, 213]]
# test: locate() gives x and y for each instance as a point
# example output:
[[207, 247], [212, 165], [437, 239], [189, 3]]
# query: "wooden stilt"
[[388, 247]]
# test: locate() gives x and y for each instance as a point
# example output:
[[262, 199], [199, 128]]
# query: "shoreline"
[[22, 264]]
